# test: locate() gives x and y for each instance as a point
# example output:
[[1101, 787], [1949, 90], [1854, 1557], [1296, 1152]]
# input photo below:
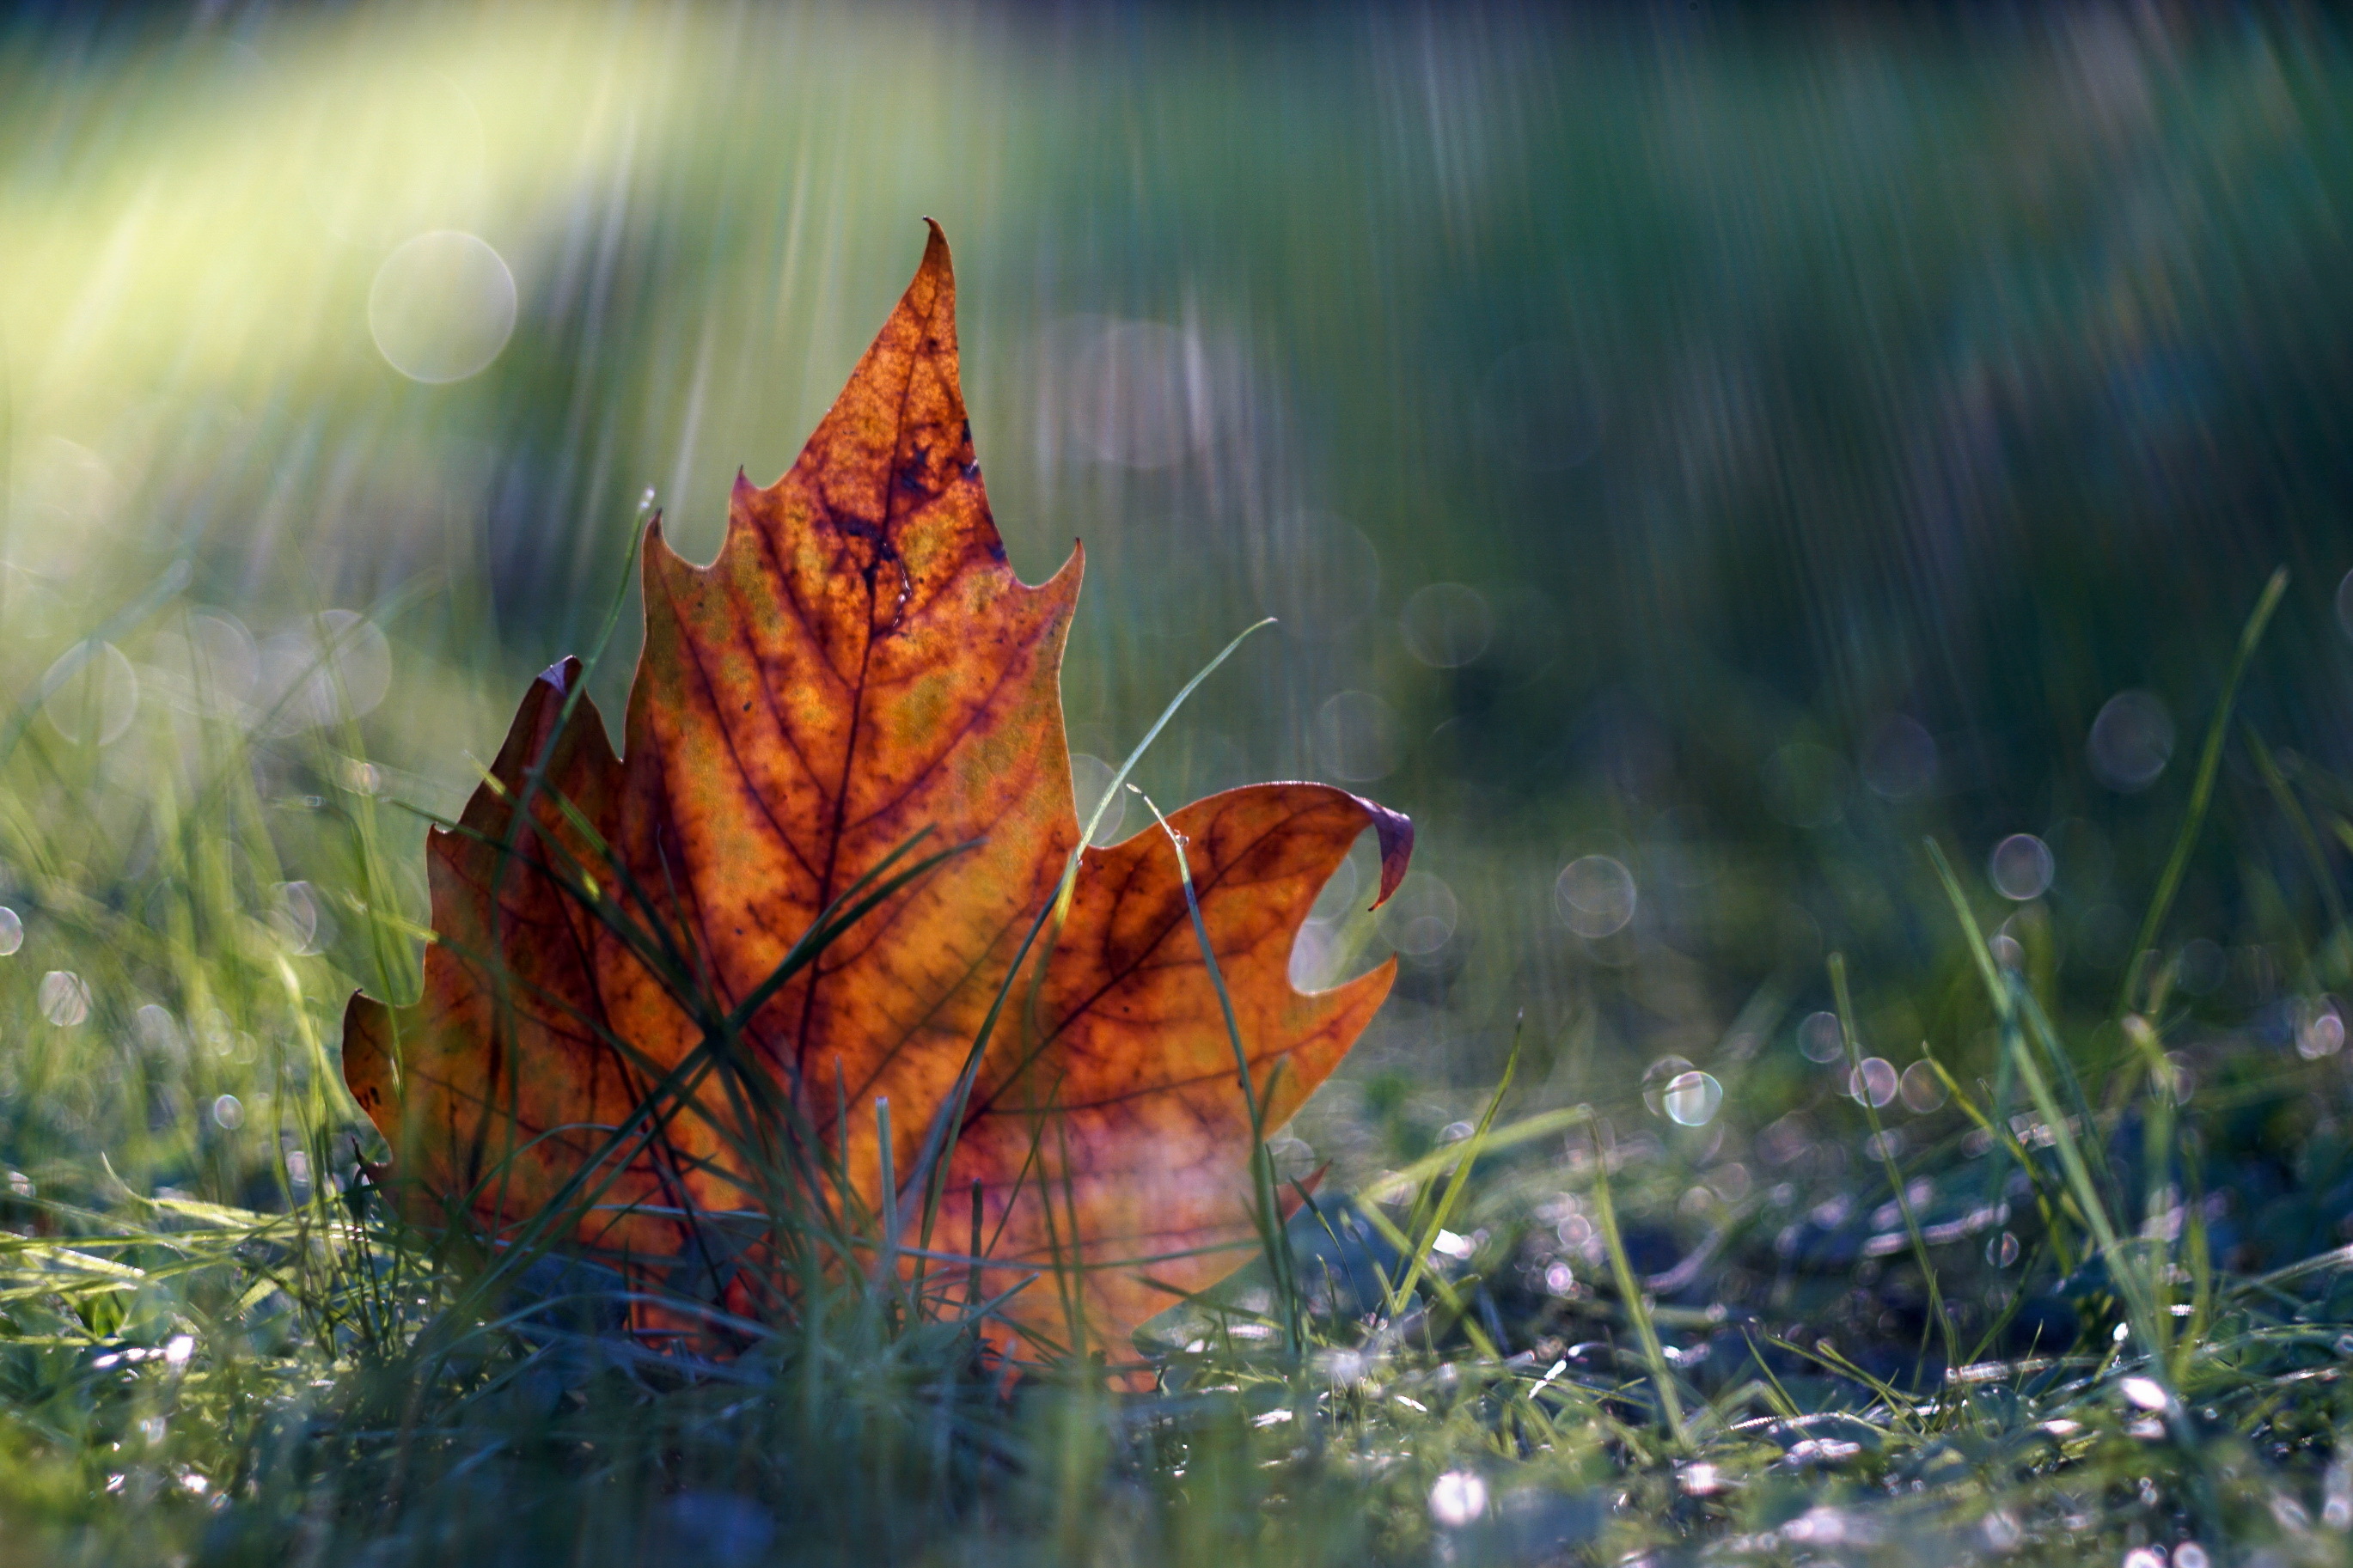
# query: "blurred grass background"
[[1729, 444], [1695, 452]]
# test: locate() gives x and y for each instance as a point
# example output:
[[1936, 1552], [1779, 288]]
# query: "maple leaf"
[[669, 989]]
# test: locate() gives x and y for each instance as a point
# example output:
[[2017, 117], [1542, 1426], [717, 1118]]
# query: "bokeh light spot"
[[1447, 625], [1420, 917], [1820, 1037], [1899, 761], [2021, 866], [1693, 1098], [2131, 740], [2200, 966], [1315, 954], [442, 306], [65, 998], [2321, 1033], [1661, 1073], [1357, 738], [1875, 1081], [1923, 1088], [159, 1032], [336, 666], [299, 920], [1338, 899], [93, 694], [1595, 895], [206, 665], [12, 931], [1459, 1498], [1089, 779]]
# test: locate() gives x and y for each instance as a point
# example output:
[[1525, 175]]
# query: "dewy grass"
[[212, 1349]]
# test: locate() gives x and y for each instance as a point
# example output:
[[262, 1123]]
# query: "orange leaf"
[[858, 664]]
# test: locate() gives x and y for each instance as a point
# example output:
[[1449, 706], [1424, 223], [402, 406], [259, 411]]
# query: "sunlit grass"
[[2022, 1343]]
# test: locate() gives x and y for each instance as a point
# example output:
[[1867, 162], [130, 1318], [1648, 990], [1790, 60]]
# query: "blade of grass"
[[2008, 1001], [2157, 1159], [673, 1089], [2308, 839], [1442, 1287], [1630, 1290], [2202, 792], [928, 1175], [2005, 1021], [2000, 1135], [1941, 1319], [2038, 1029], [1467, 1154], [1274, 1236]]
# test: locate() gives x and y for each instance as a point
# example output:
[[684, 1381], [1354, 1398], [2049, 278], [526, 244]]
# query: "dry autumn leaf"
[[604, 1037]]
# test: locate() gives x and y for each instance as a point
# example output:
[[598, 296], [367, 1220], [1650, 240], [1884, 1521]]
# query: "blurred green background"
[[1695, 453]]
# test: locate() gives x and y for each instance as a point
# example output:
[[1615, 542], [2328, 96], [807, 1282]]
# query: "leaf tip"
[[936, 263], [1394, 831], [562, 674]]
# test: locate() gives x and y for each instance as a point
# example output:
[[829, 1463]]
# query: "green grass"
[[1955, 371], [2030, 1329]]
